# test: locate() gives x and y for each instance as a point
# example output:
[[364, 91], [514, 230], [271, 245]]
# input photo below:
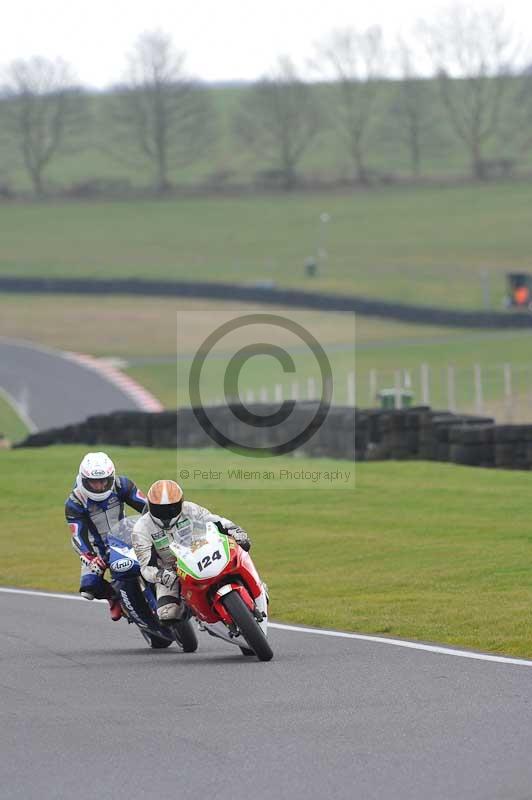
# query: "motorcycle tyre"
[[248, 626], [185, 635], [155, 642], [158, 644]]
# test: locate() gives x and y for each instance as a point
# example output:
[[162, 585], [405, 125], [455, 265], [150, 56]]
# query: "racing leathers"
[[90, 522], [157, 562]]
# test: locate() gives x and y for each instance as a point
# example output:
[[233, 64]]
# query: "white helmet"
[[96, 476]]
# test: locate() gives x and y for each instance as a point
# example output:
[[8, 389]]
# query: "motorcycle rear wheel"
[[159, 644], [155, 642], [248, 626], [185, 635]]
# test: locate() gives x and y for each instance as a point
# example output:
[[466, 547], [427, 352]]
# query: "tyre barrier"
[[417, 433], [291, 298]]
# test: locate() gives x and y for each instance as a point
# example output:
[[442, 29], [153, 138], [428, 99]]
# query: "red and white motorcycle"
[[222, 588]]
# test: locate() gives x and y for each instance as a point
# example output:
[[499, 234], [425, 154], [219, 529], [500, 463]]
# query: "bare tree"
[[516, 130], [411, 106], [43, 112], [160, 114], [473, 53], [354, 60], [278, 118]]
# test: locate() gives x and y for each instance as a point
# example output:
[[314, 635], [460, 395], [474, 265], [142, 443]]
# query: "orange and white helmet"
[[165, 502]]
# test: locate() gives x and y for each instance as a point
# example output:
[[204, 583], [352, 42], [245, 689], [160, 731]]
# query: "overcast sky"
[[223, 39]]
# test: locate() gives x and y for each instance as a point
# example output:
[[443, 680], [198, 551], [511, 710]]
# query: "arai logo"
[[122, 565]]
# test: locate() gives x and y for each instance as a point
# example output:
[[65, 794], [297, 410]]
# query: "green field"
[[421, 245], [446, 556], [136, 328], [142, 333], [11, 426]]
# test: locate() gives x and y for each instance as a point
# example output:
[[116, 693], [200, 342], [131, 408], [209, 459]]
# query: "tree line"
[[162, 117]]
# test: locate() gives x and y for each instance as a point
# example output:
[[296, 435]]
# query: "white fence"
[[503, 391]]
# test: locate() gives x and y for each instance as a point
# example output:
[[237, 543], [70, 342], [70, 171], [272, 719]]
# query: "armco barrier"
[[347, 433], [292, 298]]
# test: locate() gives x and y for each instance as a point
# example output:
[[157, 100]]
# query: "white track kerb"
[[431, 648]]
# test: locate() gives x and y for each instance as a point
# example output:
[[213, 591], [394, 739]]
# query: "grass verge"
[[418, 245], [11, 426], [425, 551]]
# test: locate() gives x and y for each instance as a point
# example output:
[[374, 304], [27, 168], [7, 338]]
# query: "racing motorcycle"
[[137, 597], [222, 588]]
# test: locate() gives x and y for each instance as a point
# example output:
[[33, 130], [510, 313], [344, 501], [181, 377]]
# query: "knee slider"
[[169, 609], [93, 585]]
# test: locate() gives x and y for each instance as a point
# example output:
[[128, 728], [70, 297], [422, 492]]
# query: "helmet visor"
[[98, 485], [167, 511]]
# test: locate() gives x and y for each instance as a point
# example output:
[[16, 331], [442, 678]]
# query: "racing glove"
[[166, 578], [240, 536], [96, 564]]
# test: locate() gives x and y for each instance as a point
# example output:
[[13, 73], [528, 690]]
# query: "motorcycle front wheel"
[[248, 626]]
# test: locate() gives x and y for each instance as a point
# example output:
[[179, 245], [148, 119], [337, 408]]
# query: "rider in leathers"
[[167, 511], [95, 504]]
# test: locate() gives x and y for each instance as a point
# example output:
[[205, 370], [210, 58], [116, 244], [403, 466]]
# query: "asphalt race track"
[[55, 390], [88, 711]]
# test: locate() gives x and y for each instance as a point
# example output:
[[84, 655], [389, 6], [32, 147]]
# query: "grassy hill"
[[420, 245], [445, 558]]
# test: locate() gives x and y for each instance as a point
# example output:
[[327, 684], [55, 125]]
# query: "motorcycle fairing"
[[206, 559], [136, 597], [240, 573], [232, 586], [123, 562]]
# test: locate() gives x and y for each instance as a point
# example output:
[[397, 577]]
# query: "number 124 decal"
[[206, 561]]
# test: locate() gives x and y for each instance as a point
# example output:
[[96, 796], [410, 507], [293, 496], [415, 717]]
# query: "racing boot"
[[115, 609]]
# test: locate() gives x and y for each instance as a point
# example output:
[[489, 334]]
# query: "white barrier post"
[[311, 388], [372, 386], [351, 390], [451, 394], [263, 395], [278, 393], [479, 400], [397, 388], [425, 384], [250, 396]]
